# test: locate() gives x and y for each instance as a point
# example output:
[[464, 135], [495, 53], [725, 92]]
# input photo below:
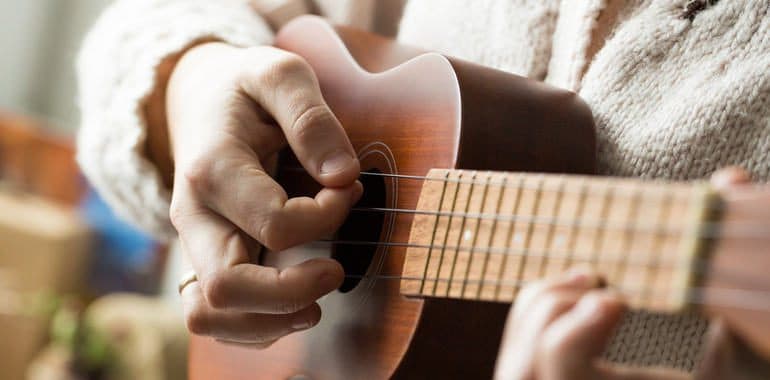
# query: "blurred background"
[[39, 40], [82, 294], [77, 286]]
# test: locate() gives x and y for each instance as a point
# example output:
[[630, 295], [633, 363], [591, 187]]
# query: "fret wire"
[[461, 232], [509, 236], [549, 232], [528, 235], [490, 241], [628, 237], [446, 235], [732, 297], [573, 230], [475, 235], [657, 244], [598, 240], [433, 235]]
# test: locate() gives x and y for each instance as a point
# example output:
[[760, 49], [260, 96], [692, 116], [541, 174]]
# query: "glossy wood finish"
[[407, 111]]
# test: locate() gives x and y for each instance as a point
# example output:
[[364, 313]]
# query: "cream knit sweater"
[[675, 94]]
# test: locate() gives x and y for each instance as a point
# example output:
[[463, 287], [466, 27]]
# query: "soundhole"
[[361, 226]]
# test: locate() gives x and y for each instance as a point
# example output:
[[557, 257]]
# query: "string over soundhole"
[[361, 226]]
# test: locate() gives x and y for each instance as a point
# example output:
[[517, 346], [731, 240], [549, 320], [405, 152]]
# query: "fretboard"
[[483, 235]]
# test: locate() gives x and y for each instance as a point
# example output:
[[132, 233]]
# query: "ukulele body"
[[406, 111]]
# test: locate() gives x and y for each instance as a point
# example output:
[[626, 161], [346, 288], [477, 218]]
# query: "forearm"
[[158, 147]]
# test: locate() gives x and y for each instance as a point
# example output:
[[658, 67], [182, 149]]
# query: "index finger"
[[219, 253], [569, 344], [288, 89]]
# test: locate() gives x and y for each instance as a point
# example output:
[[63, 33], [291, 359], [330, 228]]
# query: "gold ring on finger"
[[187, 279]]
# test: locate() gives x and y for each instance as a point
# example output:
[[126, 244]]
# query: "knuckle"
[[311, 118], [216, 291], [264, 224], [197, 321], [290, 64], [177, 214], [181, 212], [286, 65], [199, 174], [602, 302], [552, 303], [271, 238], [266, 235]]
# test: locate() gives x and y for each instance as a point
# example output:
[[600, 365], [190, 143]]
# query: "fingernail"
[[335, 162], [599, 305], [358, 191], [301, 322], [582, 277], [590, 307]]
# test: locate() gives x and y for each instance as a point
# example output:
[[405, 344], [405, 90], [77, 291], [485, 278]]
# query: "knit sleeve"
[[116, 72]]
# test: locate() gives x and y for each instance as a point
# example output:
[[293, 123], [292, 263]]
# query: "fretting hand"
[[559, 328], [230, 111]]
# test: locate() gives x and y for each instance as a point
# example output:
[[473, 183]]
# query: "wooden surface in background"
[[44, 245], [37, 161]]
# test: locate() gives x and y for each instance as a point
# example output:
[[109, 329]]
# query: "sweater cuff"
[[117, 72]]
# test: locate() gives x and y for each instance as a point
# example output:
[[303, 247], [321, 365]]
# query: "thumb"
[[286, 87]]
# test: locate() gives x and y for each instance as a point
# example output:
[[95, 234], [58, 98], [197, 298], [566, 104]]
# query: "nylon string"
[[728, 297], [742, 298]]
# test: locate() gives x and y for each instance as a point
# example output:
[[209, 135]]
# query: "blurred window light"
[[39, 40]]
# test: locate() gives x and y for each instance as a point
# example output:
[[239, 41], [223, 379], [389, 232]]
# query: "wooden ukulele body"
[[406, 111]]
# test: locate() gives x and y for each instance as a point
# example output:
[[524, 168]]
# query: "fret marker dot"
[[559, 241], [468, 235], [518, 238]]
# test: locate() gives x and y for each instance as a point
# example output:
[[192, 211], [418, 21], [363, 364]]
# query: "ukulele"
[[459, 212]]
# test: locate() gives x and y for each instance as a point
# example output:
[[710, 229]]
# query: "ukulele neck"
[[482, 235]]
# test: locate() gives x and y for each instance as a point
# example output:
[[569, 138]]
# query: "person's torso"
[[676, 94]]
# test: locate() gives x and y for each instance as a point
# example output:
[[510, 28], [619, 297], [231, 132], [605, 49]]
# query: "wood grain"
[[480, 236]]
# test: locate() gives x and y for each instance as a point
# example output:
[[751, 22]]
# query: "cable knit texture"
[[510, 35], [674, 97], [677, 99]]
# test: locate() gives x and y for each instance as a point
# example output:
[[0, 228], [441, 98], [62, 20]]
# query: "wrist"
[[158, 144]]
